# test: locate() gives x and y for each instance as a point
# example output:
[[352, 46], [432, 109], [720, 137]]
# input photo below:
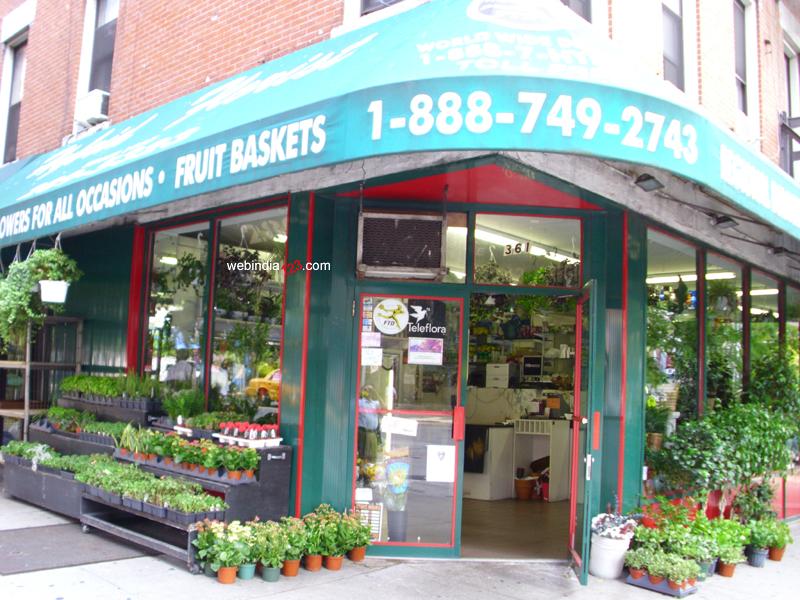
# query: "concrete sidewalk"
[[158, 578]]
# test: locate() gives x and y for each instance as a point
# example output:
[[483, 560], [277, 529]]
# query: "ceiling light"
[[720, 275], [648, 183], [168, 260], [688, 277], [760, 292], [724, 222]]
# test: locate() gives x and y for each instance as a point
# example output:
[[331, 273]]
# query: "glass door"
[[409, 418], [582, 433]]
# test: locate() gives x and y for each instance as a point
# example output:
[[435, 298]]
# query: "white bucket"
[[53, 291], [607, 557]]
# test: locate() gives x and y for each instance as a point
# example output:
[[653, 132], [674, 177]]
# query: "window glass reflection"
[[527, 251], [248, 302], [174, 350], [671, 375], [764, 317], [723, 330]]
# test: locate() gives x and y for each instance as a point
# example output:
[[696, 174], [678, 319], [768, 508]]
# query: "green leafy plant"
[[314, 532], [185, 403], [779, 534], [754, 502], [731, 554], [639, 558], [296, 537], [271, 543], [759, 534], [355, 533], [18, 304]]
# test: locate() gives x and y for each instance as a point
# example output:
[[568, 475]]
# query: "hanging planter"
[[53, 291]]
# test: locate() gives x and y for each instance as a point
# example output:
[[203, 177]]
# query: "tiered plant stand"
[[68, 443], [52, 491], [266, 497], [107, 412], [149, 531]]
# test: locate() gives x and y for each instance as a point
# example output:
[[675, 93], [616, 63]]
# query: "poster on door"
[[441, 464]]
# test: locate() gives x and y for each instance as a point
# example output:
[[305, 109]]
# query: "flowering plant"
[[396, 485], [613, 526]]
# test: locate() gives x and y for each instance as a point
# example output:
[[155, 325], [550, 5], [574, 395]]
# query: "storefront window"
[[456, 248], [764, 317], [527, 251], [793, 324], [723, 330], [175, 331], [671, 329], [408, 385], [248, 302]]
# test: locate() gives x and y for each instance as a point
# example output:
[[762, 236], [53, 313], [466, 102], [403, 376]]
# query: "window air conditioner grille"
[[402, 242]]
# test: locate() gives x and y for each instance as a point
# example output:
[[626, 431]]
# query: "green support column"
[[637, 338], [293, 330]]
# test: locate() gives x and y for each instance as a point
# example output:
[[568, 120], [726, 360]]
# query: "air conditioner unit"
[[401, 245], [92, 108]]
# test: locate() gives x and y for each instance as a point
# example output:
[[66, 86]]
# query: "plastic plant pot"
[[776, 554], [271, 573], [312, 562], [246, 571], [758, 557], [726, 569], [607, 556], [333, 563], [227, 575], [357, 554], [290, 568]]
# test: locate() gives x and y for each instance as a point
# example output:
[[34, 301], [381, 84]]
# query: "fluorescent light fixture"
[[494, 238], [168, 260], [688, 277], [724, 222], [757, 311], [280, 238], [761, 292], [720, 275], [648, 183]]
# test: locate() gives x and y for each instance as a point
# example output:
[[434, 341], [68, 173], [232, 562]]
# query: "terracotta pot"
[[290, 568], [151, 456], [234, 475], [227, 574], [201, 469], [636, 573], [357, 554], [674, 585], [776, 553], [137, 456], [312, 562], [123, 452], [192, 467], [250, 474], [333, 563], [691, 581], [655, 579], [725, 569], [167, 460]]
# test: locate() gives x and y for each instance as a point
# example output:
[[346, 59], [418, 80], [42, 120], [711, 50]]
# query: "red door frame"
[[457, 435]]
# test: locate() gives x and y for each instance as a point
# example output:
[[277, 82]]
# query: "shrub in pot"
[[637, 561], [357, 536], [333, 540], [314, 546], [272, 544], [779, 537], [680, 572], [297, 542], [230, 550], [729, 557], [759, 542]]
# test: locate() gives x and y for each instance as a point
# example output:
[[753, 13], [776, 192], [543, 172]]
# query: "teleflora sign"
[[522, 75]]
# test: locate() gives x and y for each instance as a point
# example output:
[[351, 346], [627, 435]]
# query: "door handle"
[[589, 460], [458, 423]]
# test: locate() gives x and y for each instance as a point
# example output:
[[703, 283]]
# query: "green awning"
[[524, 75]]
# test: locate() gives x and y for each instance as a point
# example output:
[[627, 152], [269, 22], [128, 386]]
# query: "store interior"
[[520, 390]]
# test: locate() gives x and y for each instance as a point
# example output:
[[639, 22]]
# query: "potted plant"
[[680, 572], [333, 541], [657, 567], [729, 557], [297, 542], [759, 543], [357, 536], [250, 551], [273, 545], [230, 550], [313, 550], [205, 544], [779, 537], [611, 536], [637, 561]]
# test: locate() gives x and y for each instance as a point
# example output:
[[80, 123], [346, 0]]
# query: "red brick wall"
[[163, 50], [773, 76], [168, 49]]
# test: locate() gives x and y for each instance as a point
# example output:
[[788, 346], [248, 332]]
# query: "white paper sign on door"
[[441, 464], [371, 357], [399, 426]]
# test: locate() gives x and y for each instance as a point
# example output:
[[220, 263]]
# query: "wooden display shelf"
[[143, 529]]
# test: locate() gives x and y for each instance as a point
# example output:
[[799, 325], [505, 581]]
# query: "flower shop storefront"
[[433, 282]]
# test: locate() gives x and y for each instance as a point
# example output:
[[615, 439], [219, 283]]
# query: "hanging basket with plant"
[[19, 303]]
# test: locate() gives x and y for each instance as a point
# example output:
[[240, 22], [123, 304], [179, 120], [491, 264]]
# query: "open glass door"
[[409, 418], [582, 433]]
